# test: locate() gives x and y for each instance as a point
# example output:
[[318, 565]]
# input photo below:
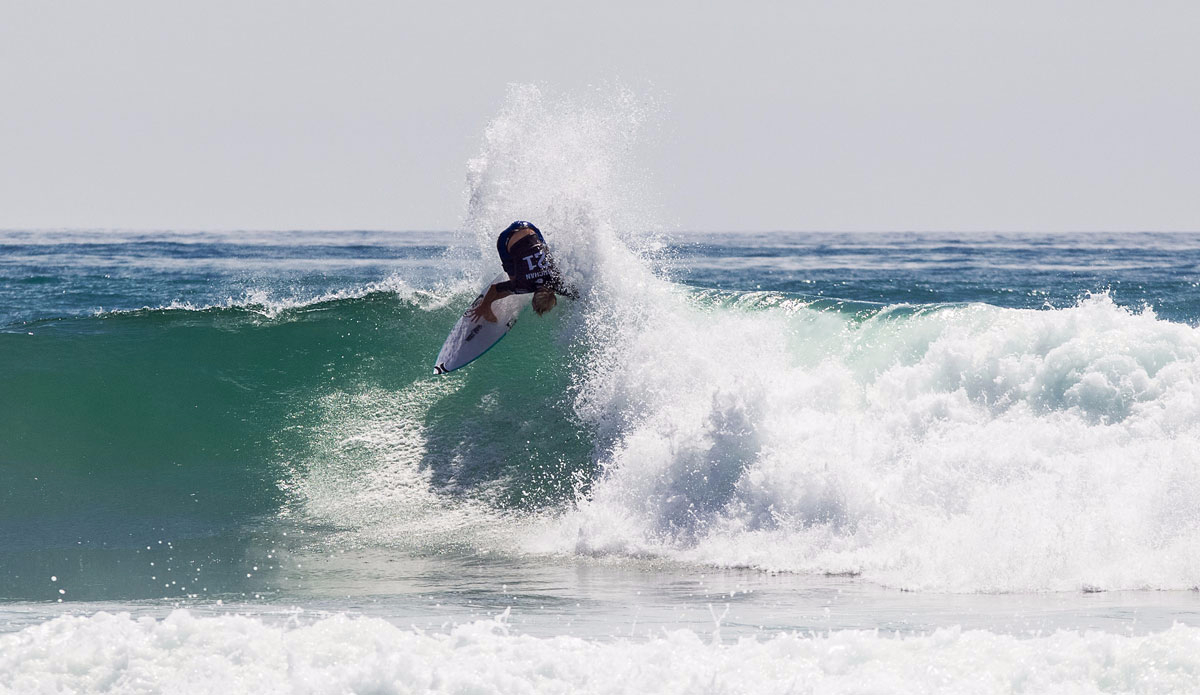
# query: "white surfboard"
[[470, 338]]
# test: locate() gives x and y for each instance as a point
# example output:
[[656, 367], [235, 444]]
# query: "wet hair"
[[544, 300]]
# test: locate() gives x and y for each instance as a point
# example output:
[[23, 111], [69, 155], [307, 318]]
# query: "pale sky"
[[841, 115]]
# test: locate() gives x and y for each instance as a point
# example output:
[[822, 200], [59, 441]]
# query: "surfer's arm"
[[484, 308]]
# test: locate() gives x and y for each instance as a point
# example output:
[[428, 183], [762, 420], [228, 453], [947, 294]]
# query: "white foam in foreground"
[[184, 653]]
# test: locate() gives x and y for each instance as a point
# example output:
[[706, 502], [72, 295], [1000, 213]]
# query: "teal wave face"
[[127, 428]]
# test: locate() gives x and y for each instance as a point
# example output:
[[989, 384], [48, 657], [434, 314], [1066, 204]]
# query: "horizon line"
[[354, 230]]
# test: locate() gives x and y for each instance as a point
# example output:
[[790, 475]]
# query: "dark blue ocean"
[[56, 274]]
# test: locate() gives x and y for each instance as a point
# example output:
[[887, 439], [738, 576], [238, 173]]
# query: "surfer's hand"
[[484, 309]]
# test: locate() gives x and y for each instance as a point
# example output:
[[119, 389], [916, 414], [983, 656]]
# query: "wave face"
[[207, 427], [1043, 441], [152, 413]]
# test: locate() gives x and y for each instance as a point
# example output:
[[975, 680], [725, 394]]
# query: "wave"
[[117, 653], [947, 448]]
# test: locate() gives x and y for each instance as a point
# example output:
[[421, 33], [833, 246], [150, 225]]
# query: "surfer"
[[526, 258]]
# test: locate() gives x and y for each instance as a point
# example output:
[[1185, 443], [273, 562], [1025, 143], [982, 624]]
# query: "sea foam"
[[185, 653], [962, 448]]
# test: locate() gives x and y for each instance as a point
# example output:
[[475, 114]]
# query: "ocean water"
[[837, 462], [784, 462]]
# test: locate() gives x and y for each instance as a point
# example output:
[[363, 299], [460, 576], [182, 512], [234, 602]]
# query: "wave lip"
[[270, 305], [120, 654]]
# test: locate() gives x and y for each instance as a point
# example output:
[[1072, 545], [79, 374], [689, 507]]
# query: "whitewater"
[[785, 462]]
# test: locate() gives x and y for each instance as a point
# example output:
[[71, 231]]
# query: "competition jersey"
[[529, 267]]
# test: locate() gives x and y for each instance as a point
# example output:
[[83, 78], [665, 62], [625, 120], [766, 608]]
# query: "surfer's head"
[[544, 300], [519, 225]]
